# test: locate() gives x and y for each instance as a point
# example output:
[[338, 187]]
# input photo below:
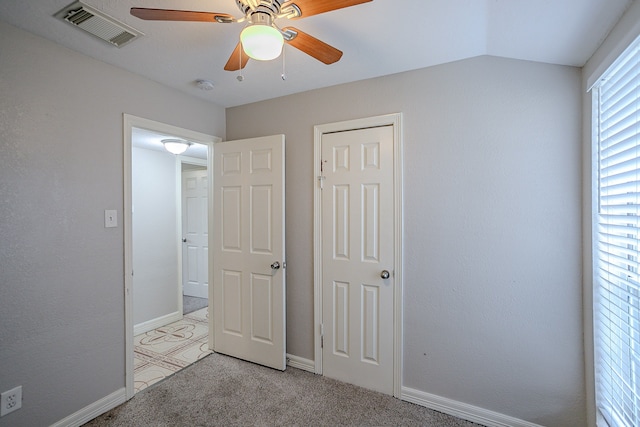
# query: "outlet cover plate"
[[10, 400]]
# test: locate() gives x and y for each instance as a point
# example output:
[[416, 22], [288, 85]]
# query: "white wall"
[[493, 310], [61, 272], [155, 246], [622, 35]]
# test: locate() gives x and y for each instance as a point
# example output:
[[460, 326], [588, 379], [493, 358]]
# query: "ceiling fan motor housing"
[[261, 18], [270, 7]]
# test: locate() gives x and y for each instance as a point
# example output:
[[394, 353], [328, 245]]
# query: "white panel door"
[[358, 248], [248, 258], [195, 252]]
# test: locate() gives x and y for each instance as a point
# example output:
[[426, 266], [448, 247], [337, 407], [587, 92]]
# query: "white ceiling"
[[378, 38]]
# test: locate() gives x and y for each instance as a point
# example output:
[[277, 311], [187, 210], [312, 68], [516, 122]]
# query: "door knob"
[[384, 274], [275, 265], [184, 240]]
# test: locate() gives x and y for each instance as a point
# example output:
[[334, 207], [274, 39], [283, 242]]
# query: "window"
[[616, 102]]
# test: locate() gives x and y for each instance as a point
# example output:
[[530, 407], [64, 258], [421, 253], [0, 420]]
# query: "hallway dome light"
[[176, 146]]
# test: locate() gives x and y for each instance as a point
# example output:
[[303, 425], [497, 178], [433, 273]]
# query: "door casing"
[[394, 120], [130, 122]]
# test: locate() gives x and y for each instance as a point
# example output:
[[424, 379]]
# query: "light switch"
[[110, 218]]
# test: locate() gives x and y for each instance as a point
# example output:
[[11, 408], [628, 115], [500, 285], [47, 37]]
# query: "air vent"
[[97, 23]]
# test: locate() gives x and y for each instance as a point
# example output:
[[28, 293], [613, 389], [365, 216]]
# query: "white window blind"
[[617, 241]]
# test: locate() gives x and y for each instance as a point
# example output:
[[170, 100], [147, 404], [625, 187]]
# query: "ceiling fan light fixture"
[[176, 146], [262, 42]]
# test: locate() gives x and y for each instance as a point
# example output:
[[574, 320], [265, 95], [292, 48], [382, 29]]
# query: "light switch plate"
[[110, 218]]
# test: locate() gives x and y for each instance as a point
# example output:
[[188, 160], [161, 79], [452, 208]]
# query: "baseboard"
[[196, 291], [462, 410], [158, 322], [96, 409], [300, 363]]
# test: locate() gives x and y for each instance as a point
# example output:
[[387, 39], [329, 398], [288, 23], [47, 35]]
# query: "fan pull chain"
[[284, 70], [240, 77]]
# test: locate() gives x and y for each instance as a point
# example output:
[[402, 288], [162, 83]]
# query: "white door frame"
[[130, 122], [394, 120]]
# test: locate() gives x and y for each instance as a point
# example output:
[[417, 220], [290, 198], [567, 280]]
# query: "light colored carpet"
[[191, 304], [223, 391]]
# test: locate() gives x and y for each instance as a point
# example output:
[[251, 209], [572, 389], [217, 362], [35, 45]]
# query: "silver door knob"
[[184, 240], [384, 274], [275, 265]]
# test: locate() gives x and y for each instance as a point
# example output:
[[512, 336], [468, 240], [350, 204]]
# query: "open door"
[[249, 252]]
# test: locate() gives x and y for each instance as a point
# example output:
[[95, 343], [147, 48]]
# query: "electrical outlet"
[[10, 401]]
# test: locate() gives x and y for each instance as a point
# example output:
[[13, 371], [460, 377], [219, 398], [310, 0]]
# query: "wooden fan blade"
[[314, 47], [180, 15], [237, 60], [314, 7]]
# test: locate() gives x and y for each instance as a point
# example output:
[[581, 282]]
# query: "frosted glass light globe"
[[261, 42], [175, 146]]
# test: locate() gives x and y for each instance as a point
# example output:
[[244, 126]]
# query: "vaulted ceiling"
[[378, 38]]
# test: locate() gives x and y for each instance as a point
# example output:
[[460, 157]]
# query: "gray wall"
[[492, 149], [492, 220], [61, 271], [155, 235]]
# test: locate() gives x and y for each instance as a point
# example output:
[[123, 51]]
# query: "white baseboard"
[[462, 410], [96, 409], [301, 363], [158, 322], [198, 291]]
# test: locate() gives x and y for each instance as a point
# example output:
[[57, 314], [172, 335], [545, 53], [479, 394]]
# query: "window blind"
[[617, 241]]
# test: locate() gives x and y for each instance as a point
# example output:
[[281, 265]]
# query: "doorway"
[[358, 252], [174, 303]]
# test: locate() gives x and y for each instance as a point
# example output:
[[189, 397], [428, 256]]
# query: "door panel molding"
[[394, 120]]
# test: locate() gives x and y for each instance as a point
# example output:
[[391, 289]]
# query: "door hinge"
[[321, 335], [321, 180]]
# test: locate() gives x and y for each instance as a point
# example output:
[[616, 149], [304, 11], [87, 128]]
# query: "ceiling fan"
[[260, 16]]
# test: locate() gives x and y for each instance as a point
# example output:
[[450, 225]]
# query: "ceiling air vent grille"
[[98, 24]]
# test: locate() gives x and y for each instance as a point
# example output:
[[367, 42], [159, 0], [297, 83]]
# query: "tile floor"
[[164, 351]]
